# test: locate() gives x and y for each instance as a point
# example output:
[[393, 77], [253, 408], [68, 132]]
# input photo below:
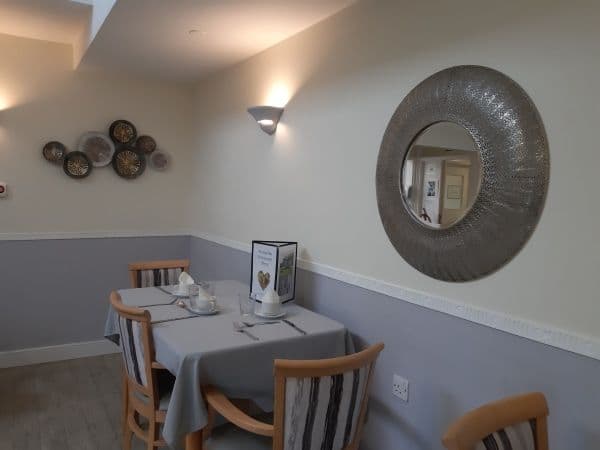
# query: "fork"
[[250, 324], [241, 328]]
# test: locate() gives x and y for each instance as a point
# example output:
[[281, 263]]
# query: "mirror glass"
[[441, 175]]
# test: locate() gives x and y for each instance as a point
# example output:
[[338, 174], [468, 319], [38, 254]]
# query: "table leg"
[[193, 441]]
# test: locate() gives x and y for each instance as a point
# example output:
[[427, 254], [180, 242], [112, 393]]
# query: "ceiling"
[[47, 20], [152, 37]]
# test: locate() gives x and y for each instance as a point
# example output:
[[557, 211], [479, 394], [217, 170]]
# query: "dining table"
[[208, 349]]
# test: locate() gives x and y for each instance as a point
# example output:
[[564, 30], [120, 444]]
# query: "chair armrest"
[[223, 406]]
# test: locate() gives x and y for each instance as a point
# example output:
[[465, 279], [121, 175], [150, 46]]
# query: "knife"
[[291, 324]]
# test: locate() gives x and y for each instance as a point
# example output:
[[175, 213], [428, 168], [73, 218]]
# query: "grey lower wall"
[[452, 365], [56, 291]]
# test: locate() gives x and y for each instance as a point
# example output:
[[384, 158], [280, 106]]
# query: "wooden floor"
[[75, 405]]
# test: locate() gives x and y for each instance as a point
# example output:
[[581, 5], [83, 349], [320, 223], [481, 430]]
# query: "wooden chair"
[[143, 397], [334, 389], [520, 420], [157, 273]]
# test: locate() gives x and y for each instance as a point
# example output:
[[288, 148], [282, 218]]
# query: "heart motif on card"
[[263, 279]]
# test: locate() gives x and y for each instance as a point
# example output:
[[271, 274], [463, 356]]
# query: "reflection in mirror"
[[441, 175]]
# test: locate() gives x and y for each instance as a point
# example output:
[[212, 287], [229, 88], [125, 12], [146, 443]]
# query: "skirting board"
[[545, 334], [29, 356]]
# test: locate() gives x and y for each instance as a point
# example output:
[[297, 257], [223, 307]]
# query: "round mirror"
[[441, 175]]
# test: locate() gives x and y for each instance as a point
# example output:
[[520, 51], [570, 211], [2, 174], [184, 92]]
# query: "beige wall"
[[42, 99], [314, 180]]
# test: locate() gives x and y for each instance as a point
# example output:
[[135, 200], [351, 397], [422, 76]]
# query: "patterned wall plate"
[[98, 148], [145, 144], [54, 152], [77, 165], [160, 160], [122, 132], [129, 163]]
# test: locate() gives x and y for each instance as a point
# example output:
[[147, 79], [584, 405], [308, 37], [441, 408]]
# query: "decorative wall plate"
[[129, 163], [145, 144], [98, 148], [122, 132], [160, 160], [54, 152], [77, 165]]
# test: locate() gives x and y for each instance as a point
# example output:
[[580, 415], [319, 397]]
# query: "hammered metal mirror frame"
[[509, 134]]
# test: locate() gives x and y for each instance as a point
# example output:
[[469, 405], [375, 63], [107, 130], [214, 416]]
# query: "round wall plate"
[[98, 148], [160, 160], [129, 163], [54, 152], [145, 144], [77, 165], [122, 132]]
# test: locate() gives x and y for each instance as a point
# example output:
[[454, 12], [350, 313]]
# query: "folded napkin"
[[270, 296], [185, 279]]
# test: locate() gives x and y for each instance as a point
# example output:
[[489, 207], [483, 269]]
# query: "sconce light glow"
[[267, 117], [279, 95]]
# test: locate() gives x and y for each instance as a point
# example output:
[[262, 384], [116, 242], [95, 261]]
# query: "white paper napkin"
[[185, 279]]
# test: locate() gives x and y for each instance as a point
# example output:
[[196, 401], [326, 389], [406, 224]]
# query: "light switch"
[[3, 191]]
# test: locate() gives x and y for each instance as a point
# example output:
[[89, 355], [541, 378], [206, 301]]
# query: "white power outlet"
[[400, 388]]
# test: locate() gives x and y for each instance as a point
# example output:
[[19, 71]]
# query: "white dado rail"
[[545, 334]]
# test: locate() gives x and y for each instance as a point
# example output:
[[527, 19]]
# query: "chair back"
[[516, 423], [157, 273], [137, 347], [321, 404]]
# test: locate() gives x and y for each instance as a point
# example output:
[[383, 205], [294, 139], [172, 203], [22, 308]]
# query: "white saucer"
[[270, 316], [202, 312]]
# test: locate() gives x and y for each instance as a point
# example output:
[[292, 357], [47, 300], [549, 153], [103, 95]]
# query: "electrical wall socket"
[[400, 388]]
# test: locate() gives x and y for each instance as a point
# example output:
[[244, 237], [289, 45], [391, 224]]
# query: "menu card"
[[273, 267]]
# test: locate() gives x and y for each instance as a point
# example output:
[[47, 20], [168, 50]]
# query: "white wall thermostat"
[[3, 192]]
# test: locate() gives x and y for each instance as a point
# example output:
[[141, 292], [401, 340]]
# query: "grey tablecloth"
[[207, 350]]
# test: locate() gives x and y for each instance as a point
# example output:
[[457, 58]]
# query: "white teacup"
[[270, 308], [201, 304], [200, 299]]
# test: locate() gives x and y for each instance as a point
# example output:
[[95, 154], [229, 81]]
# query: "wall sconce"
[[267, 117]]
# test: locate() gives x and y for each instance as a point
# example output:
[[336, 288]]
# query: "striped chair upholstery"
[[513, 423], [158, 277], [322, 412], [146, 387], [319, 404], [516, 437], [132, 350], [157, 273]]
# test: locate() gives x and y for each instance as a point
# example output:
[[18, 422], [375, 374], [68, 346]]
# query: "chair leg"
[[207, 431], [193, 441], [127, 440], [127, 433], [124, 403], [152, 429]]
